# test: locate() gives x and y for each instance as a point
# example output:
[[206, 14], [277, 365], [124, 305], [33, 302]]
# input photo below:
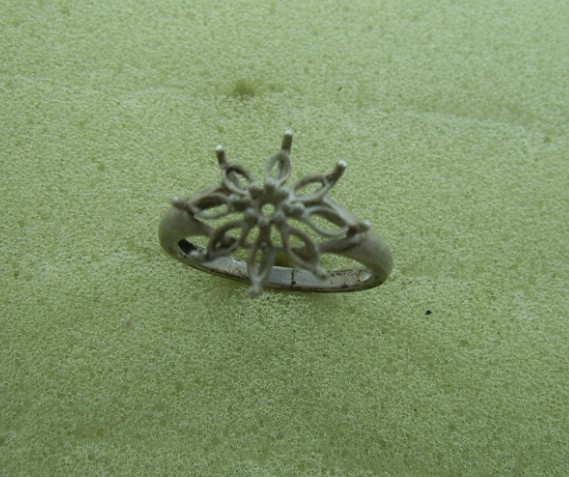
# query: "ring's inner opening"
[[344, 273], [186, 246]]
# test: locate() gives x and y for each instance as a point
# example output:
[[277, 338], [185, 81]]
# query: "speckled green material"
[[115, 360]]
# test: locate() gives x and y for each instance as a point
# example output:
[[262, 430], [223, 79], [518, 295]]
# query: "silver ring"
[[274, 223]]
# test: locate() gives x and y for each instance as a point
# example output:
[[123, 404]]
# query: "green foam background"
[[453, 118]]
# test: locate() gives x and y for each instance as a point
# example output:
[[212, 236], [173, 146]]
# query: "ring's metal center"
[[271, 205]]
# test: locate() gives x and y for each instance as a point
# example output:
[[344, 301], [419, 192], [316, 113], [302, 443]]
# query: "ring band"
[[272, 220]]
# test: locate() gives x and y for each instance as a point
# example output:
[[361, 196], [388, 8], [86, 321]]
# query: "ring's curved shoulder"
[[374, 253], [176, 224], [369, 249]]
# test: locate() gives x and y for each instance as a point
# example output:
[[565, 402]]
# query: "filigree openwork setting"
[[261, 218]]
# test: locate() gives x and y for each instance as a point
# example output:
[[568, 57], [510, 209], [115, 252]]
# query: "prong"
[[184, 205], [179, 204], [287, 140], [220, 153], [338, 171], [359, 228]]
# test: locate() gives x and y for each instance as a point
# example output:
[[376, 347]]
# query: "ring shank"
[[372, 252]]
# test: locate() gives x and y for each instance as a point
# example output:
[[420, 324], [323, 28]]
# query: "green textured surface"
[[453, 117]]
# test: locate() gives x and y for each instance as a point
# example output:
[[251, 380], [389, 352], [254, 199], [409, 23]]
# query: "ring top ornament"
[[267, 221]]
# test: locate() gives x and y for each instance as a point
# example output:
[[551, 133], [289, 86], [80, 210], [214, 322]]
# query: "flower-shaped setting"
[[255, 212]]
